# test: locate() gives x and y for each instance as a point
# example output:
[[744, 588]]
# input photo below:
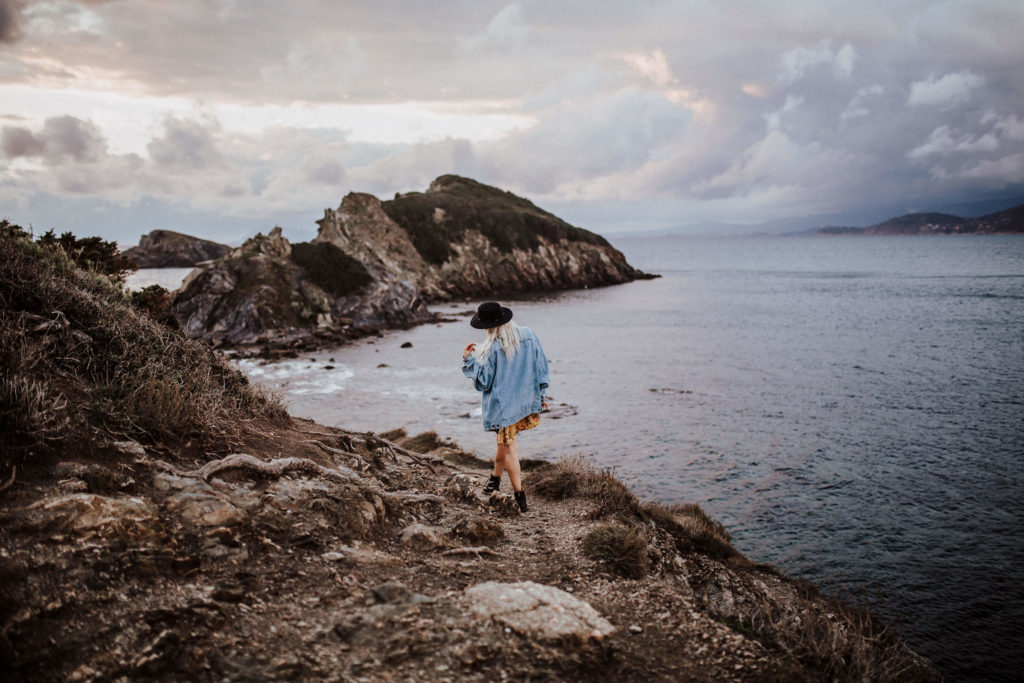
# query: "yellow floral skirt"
[[507, 435]]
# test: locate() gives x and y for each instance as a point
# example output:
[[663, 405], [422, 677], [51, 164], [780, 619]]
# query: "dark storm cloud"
[[62, 138], [10, 20]]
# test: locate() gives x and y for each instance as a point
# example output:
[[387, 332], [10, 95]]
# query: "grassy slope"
[[82, 366]]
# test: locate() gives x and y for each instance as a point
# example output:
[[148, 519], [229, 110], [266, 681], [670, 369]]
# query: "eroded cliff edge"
[[377, 264]]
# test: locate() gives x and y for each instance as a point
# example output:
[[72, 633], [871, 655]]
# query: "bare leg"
[[499, 461], [509, 456]]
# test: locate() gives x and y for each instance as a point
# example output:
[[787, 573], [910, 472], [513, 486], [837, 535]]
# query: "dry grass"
[[621, 548], [688, 524], [81, 365], [840, 642]]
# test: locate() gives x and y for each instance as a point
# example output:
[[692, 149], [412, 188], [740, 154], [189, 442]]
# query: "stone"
[[204, 509], [537, 611], [89, 514], [407, 345], [422, 537], [390, 591], [504, 504], [132, 448], [461, 487], [477, 530], [228, 591]]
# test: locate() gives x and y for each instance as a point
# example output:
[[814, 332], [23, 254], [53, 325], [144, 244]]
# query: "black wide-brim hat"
[[490, 314]]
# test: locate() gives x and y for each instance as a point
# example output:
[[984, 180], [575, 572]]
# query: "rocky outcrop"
[[377, 264], [462, 238], [258, 294], [169, 249]]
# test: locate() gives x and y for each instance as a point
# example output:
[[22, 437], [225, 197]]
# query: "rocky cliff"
[[377, 264], [269, 292], [168, 249]]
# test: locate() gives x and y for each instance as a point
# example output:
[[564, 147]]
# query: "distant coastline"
[[1008, 222]]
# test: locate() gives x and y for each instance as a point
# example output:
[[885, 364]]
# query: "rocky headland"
[[163, 519], [169, 249], [1010, 221], [377, 264]]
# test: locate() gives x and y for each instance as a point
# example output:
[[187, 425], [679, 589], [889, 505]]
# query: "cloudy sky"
[[224, 117]]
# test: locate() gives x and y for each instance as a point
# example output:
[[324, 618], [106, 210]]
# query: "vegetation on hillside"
[[330, 268], [82, 366], [508, 221]]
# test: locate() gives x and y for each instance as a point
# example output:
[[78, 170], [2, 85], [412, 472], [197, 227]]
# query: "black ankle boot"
[[521, 499], [493, 484]]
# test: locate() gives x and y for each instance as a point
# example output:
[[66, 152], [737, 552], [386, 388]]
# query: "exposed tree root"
[[274, 468], [338, 451], [407, 497], [14, 471], [477, 550], [376, 443]]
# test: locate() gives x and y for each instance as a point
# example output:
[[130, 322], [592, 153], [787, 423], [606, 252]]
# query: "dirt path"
[[151, 572]]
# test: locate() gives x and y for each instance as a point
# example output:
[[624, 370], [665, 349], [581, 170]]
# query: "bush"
[[158, 304], [621, 548], [92, 253]]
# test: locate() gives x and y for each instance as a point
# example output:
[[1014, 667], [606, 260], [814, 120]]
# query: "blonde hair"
[[507, 336]]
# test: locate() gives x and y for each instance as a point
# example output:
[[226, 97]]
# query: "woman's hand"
[[468, 350]]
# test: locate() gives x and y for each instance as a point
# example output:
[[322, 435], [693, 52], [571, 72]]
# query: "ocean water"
[[851, 408]]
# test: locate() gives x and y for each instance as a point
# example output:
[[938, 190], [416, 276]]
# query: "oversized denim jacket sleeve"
[[511, 389]]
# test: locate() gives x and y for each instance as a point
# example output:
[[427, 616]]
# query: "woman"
[[511, 370]]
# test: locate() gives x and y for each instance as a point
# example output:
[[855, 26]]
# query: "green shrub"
[[330, 268], [156, 302], [93, 253]]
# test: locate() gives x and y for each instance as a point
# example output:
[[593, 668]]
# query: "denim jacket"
[[512, 389]]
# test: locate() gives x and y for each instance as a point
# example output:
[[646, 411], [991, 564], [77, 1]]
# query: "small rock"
[[633, 628], [228, 591], [422, 537], [328, 367], [504, 504], [478, 530], [461, 487], [390, 591], [204, 509], [332, 556], [84, 673], [407, 345], [88, 514], [383, 365], [133, 448]]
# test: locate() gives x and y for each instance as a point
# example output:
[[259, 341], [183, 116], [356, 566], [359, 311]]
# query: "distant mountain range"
[[1002, 222]]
